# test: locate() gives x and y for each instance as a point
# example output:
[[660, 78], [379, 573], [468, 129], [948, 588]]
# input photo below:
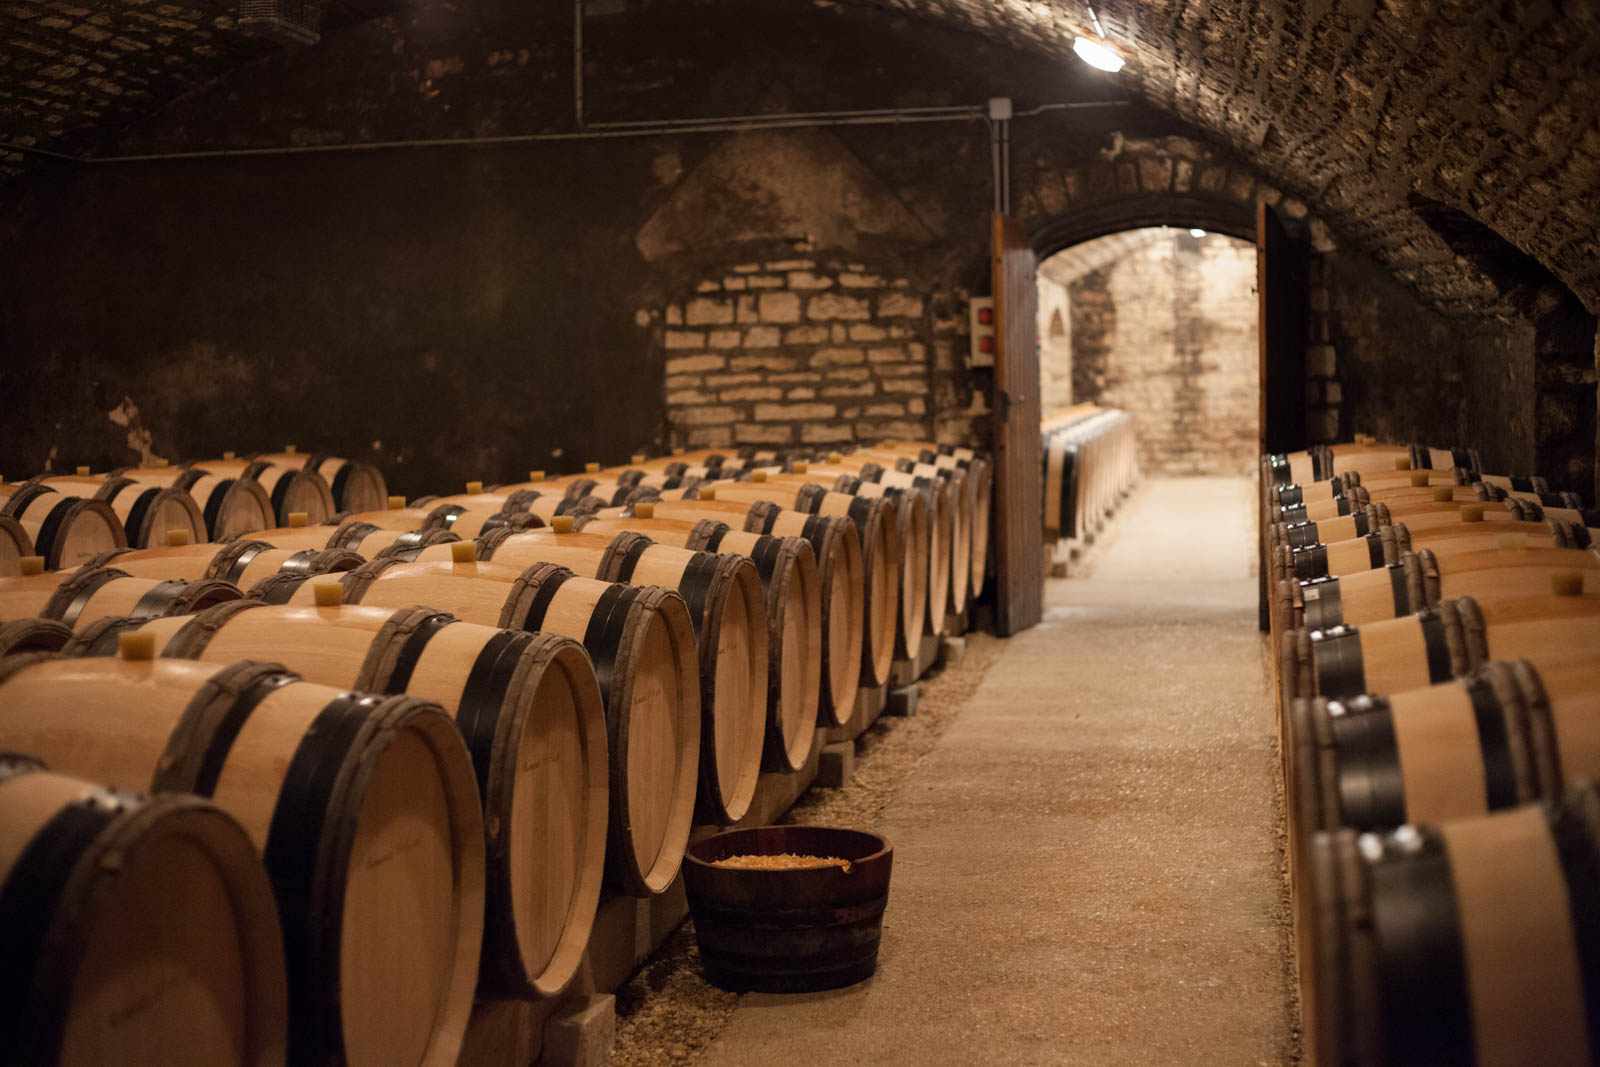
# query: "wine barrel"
[[242, 563], [136, 930], [924, 538], [291, 489], [950, 530], [65, 530], [1423, 578], [363, 538], [33, 635], [1440, 643], [1508, 734], [1401, 501], [354, 485], [14, 544], [980, 477], [892, 468], [90, 593], [1463, 943], [641, 640], [835, 546], [531, 712], [796, 630], [400, 519], [1380, 548], [909, 516], [723, 594], [148, 513], [876, 524], [230, 505], [364, 808]]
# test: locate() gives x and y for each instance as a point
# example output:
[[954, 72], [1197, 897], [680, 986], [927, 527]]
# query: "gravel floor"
[[668, 1014]]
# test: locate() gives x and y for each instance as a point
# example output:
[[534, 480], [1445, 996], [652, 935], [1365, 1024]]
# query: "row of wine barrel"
[[69, 519], [574, 701], [1090, 460], [1437, 635]]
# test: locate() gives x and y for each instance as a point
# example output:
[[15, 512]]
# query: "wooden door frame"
[[1019, 481]]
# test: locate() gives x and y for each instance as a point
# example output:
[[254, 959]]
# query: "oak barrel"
[[353, 485], [836, 546], [229, 504], [796, 628], [723, 594], [292, 490], [1465, 943], [78, 598], [14, 544], [135, 930], [364, 808], [641, 640], [876, 524], [65, 530], [531, 712], [148, 513], [33, 635], [242, 562]]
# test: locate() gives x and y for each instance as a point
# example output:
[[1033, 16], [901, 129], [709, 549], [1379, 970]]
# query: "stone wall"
[[796, 351], [1055, 344], [1168, 332], [1400, 373]]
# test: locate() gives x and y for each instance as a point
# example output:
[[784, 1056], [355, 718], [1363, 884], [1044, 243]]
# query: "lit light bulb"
[[1097, 54], [1196, 233]]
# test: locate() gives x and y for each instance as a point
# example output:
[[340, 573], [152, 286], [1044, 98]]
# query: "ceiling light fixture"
[[1097, 53], [1196, 233]]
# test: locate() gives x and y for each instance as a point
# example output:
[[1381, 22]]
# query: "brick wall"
[[1169, 333], [797, 351]]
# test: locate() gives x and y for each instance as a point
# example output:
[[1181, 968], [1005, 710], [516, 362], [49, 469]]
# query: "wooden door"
[[1018, 478], [1282, 284]]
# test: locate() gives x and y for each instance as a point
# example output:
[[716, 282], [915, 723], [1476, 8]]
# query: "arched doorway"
[[1161, 322]]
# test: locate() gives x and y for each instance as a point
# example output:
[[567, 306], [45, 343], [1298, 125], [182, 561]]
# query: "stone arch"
[[1142, 210]]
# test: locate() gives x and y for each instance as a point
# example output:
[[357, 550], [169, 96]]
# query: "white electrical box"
[[980, 314]]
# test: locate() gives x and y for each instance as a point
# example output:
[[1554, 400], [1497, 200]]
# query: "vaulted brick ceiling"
[[74, 72], [1489, 108], [1362, 108]]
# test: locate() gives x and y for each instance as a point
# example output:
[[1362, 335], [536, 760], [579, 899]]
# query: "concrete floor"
[[1086, 865]]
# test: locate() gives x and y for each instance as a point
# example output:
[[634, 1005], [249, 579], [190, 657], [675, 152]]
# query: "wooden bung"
[[364, 809], [150, 933]]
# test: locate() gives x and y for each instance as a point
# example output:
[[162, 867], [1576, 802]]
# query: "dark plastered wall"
[[461, 313], [403, 308]]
